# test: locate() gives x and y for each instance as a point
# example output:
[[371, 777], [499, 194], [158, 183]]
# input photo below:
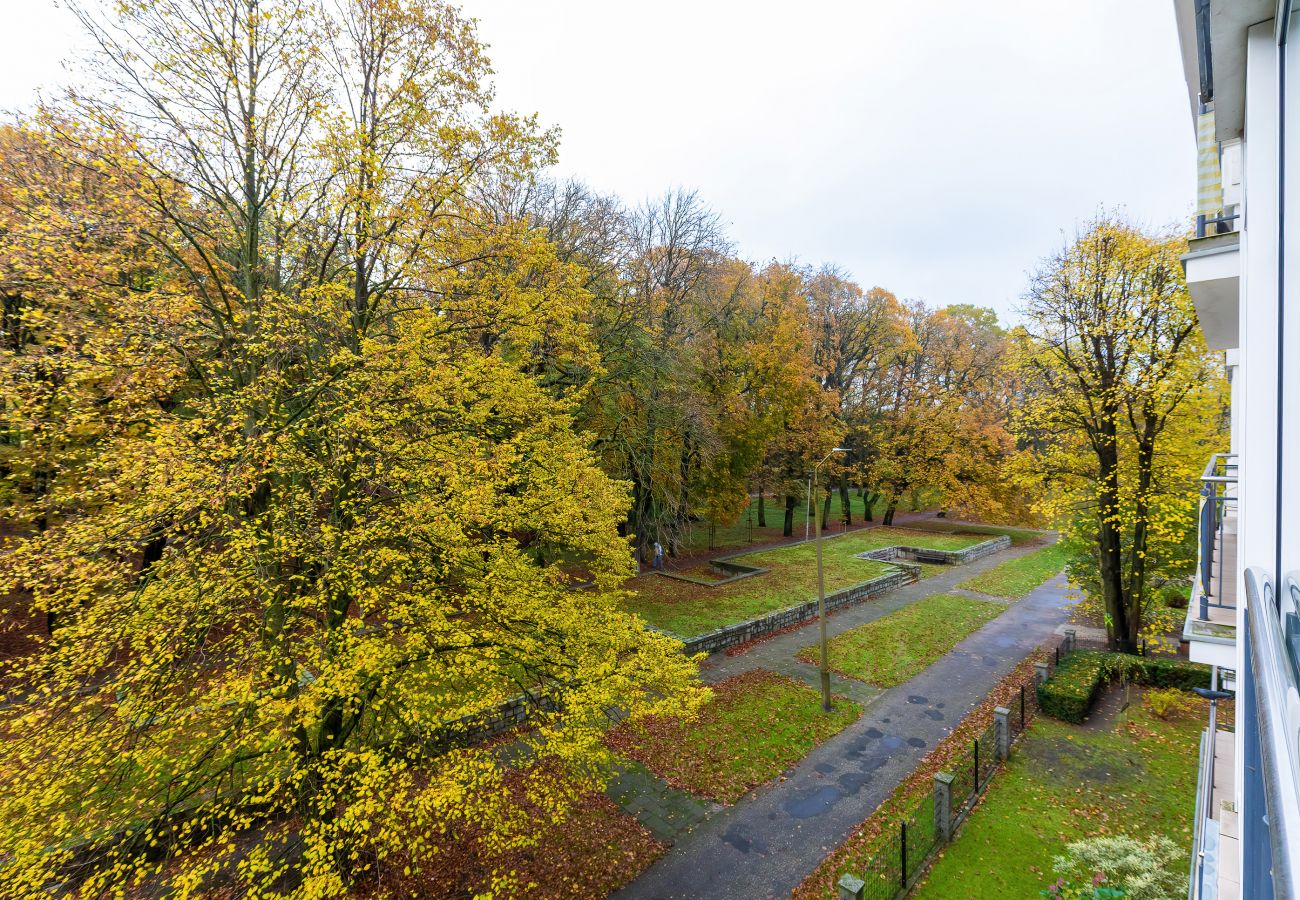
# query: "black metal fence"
[[904, 849], [901, 854]]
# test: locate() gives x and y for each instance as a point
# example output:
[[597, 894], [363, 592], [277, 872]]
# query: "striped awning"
[[1209, 176]]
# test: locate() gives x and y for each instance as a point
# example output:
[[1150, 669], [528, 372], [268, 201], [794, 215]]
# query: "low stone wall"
[[733, 571], [943, 557], [482, 726], [743, 632], [981, 550]]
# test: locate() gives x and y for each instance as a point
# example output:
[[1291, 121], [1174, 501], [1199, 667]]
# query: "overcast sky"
[[938, 150]]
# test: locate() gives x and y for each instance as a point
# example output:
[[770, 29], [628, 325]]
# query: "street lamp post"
[[821, 586]]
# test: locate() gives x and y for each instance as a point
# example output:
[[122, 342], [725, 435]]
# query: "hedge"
[[1069, 692]]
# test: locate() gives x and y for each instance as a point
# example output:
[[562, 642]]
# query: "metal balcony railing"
[[1224, 222], [1218, 503], [1268, 700]]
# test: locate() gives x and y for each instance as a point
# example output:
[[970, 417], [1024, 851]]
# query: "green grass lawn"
[[1019, 536], [893, 649], [746, 530], [689, 609], [1135, 775], [756, 726], [1017, 577]]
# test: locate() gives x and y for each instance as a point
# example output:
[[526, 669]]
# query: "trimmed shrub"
[[1070, 691], [1175, 597], [1142, 869], [1166, 673]]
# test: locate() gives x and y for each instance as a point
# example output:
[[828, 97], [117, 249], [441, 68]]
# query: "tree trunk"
[[683, 496], [826, 507], [846, 501], [889, 510], [869, 499], [762, 510], [1136, 593], [791, 501], [1110, 549]]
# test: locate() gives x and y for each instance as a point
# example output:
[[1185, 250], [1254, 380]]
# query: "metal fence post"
[[977, 765], [943, 807], [1022, 707], [851, 888], [902, 853], [1002, 716]]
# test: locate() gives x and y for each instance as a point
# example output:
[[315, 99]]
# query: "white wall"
[[1254, 394], [1257, 396]]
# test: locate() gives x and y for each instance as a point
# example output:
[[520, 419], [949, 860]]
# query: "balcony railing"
[[1269, 714], [1216, 578], [1223, 222]]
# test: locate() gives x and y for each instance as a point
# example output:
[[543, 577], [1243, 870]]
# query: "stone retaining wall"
[[733, 571], [481, 726], [743, 632], [944, 557]]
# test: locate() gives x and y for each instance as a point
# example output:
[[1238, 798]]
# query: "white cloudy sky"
[[938, 150]]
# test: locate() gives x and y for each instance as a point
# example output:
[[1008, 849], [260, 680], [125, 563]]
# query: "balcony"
[[1213, 259], [1211, 625], [1213, 267], [1268, 719], [1216, 852]]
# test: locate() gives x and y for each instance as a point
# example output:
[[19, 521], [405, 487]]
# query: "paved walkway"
[[778, 654], [766, 844]]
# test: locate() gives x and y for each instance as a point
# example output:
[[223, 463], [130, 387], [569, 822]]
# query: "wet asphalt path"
[[768, 842]]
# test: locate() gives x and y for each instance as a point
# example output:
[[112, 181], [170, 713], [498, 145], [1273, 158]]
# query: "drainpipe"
[[1283, 20]]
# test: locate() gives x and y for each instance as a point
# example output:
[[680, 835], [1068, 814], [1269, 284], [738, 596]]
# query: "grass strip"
[[895, 648], [756, 726], [1017, 577]]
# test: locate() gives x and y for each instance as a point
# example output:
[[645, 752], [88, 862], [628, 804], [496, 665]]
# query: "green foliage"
[[1150, 869], [892, 649], [1175, 595], [1065, 890], [1068, 694], [1017, 577], [296, 468], [1163, 604], [1167, 702]]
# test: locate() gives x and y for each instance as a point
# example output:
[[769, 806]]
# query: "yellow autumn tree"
[[325, 513], [1121, 404]]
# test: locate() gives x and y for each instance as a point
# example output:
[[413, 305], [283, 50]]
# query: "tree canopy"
[[1121, 405], [332, 422]]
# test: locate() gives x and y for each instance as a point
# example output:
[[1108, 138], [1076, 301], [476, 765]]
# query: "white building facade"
[[1242, 63]]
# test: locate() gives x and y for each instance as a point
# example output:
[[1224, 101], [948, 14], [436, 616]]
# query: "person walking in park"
[[659, 557]]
